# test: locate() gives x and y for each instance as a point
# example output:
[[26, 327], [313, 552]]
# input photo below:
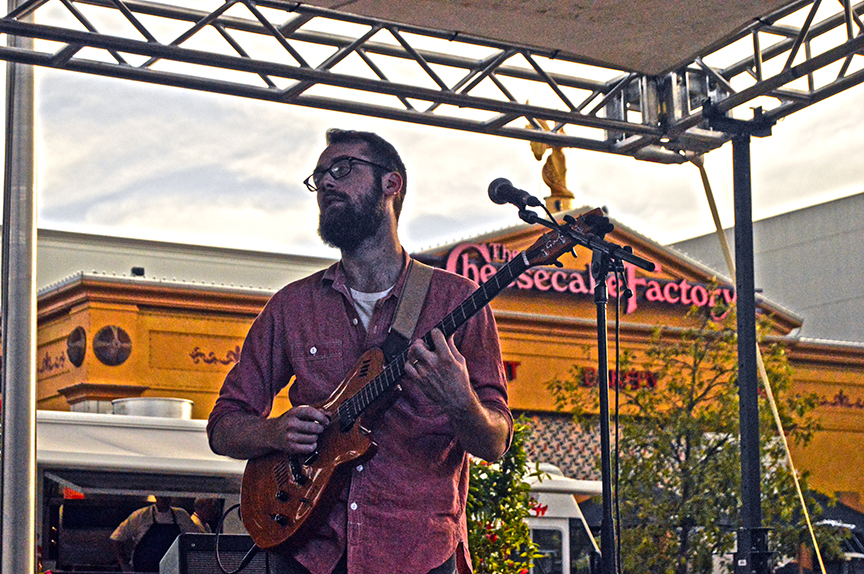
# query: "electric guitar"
[[285, 498]]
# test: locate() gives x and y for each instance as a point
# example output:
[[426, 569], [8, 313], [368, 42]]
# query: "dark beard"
[[346, 226]]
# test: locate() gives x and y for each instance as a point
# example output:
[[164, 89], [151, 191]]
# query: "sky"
[[128, 159]]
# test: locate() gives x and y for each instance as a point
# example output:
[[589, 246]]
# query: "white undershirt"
[[364, 303]]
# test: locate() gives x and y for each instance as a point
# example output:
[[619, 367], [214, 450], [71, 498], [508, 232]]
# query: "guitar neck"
[[480, 298], [395, 370]]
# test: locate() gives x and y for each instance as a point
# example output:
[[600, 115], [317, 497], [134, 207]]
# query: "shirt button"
[[359, 468], [353, 506], [355, 321], [313, 350]]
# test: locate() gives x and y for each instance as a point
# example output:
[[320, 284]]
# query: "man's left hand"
[[440, 372]]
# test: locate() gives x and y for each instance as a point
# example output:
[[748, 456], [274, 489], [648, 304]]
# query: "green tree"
[[499, 501], [679, 464]]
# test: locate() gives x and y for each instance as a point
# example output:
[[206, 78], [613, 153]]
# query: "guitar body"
[[284, 499]]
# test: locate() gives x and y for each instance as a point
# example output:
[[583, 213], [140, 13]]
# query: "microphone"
[[501, 191]]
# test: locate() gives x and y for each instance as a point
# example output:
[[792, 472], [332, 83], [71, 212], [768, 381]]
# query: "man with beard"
[[403, 510]]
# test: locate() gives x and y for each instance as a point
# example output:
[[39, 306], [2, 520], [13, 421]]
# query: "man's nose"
[[327, 180]]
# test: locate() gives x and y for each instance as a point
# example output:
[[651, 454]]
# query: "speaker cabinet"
[[196, 554]]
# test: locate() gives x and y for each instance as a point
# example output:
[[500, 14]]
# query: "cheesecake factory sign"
[[479, 262]]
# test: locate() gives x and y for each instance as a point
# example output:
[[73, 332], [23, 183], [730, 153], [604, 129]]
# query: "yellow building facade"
[[102, 338]]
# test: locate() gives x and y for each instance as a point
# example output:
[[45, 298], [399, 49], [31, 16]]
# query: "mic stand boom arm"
[[592, 242]]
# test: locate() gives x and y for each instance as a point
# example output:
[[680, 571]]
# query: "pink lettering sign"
[[479, 262]]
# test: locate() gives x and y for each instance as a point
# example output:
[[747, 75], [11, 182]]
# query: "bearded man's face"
[[346, 221]]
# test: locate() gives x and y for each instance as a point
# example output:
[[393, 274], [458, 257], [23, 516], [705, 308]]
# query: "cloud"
[[814, 155], [128, 158], [125, 156]]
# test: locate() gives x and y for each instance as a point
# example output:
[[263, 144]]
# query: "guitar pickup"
[[346, 423], [297, 471]]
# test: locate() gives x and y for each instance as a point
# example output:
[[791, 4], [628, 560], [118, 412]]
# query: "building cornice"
[[61, 297]]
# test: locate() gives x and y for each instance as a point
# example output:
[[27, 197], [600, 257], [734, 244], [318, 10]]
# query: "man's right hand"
[[296, 431], [244, 435]]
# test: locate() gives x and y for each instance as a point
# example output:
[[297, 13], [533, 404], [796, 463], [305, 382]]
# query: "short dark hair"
[[380, 151]]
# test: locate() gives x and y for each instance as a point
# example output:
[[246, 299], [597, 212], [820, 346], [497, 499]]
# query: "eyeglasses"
[[338, 169]]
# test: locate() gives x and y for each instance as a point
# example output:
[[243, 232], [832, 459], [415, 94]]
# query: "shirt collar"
[[335, 277]]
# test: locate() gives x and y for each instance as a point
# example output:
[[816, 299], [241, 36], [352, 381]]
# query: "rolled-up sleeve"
[[263, 370]]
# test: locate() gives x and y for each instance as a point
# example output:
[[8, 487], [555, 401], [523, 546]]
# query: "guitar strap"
[[408, 309]]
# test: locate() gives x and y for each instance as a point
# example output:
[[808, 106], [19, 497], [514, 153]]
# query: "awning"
[[553, 481], [112, 454]]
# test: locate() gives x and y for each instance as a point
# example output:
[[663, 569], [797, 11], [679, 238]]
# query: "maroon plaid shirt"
[[404, 510]]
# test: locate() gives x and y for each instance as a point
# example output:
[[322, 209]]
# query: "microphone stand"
[[605, 257]]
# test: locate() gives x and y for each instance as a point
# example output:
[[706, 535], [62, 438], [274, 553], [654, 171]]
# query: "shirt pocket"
[[318, 351], [319, 366]]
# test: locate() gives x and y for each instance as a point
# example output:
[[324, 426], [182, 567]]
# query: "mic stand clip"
[[529, 216]]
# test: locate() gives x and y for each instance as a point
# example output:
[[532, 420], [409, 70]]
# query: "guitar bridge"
[[281, 473]]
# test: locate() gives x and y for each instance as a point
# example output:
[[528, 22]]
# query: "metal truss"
[[293, 53]]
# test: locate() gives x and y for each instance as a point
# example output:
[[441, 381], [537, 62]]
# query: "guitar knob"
[[282, 496], [280, 519]]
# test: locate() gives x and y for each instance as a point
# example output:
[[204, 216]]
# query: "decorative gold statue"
[[554, 174]]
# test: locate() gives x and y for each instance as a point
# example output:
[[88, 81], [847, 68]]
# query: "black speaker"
[[196, 554]]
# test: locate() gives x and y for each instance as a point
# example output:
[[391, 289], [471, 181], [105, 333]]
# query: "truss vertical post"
[[19, 322], [752, 554]]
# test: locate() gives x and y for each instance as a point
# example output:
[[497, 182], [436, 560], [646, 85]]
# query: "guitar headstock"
[[552, 245]]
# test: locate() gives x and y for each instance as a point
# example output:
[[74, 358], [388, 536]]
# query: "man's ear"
[[392, 183]]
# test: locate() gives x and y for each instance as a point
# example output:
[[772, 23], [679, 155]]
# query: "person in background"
[[149, 532], [207, 514]]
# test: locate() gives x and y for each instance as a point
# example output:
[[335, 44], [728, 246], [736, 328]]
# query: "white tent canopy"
[[114, 454], [648, 36]]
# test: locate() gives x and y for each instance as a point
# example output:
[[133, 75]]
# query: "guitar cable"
[[621, 291], [249, 554]]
